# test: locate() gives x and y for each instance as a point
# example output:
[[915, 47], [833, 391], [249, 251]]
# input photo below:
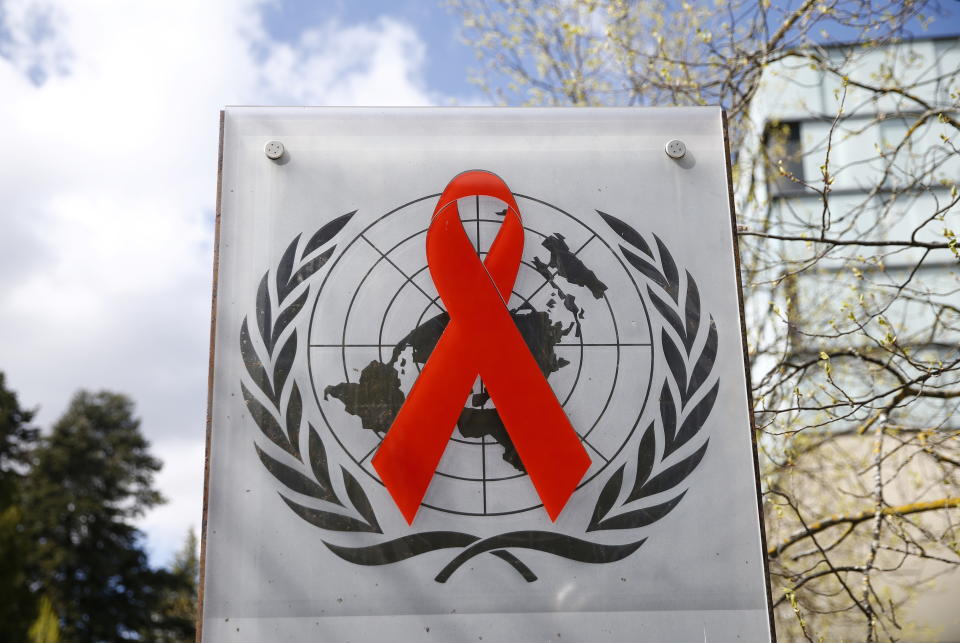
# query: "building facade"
[[848, 202]]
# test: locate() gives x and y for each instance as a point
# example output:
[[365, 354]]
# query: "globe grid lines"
[[433, 301], [409, 279]]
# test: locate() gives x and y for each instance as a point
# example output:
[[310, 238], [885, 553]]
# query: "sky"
[[108, 148]]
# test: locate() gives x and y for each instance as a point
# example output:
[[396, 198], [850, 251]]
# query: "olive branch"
[[684, 320], [281, 418], [282, 421]]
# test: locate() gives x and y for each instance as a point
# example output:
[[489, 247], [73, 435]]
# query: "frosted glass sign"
[[479, 373]]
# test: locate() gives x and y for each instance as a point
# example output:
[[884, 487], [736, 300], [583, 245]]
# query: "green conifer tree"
[[175, 619], [91, 477], [46, 629], [18, 605]]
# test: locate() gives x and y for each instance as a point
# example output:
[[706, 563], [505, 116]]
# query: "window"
[[784, 151]]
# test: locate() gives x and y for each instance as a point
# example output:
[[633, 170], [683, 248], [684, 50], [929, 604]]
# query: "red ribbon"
[[480, 339]]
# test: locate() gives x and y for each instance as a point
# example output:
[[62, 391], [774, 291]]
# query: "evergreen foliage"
[[72, 563], [177, 613], [17, 437], [91, 477]]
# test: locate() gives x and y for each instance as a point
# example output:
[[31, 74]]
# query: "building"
[[848, 204]]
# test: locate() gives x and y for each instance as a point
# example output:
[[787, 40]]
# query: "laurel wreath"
[[278, 412]]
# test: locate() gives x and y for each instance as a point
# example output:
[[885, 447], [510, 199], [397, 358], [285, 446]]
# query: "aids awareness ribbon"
[[482, 339]]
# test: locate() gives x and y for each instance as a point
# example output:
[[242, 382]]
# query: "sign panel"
[[479, 373]]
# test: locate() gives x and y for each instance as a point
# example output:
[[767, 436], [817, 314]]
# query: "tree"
[[46, 629], [17, 437], [851, 299], [91, 478], [176, 616]]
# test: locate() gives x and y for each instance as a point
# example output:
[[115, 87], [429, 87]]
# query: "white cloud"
[[361, 64], [108, 117]]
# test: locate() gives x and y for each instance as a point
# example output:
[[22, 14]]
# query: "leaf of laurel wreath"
[[281, 418]]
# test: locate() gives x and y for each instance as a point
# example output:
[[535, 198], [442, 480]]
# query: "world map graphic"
[[378, 395]]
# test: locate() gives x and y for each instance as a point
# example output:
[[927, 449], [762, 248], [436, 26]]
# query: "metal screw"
[[675, 148], [273, 150]]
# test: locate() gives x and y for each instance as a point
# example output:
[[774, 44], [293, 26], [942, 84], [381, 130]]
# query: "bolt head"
[[675, 148], [273, 150]]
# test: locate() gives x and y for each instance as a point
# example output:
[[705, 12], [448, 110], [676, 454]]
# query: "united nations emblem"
[[464, 351]]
